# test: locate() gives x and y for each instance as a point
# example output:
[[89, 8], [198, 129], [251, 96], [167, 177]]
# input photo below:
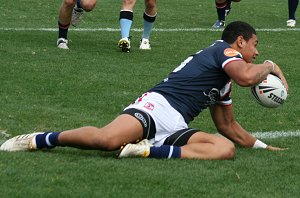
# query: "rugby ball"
[[270, 92]]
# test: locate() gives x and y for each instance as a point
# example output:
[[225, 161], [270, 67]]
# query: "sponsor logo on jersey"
[[229, 52]]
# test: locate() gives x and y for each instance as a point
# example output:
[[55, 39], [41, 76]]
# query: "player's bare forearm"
[[227, 125]]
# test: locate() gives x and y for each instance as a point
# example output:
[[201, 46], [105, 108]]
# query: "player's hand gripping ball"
[[270, 92]]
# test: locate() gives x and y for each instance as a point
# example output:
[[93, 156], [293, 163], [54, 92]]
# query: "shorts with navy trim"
[[181, 137], [146, 121]]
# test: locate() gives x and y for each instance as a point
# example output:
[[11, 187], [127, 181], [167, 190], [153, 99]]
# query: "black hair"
[[236, 29]]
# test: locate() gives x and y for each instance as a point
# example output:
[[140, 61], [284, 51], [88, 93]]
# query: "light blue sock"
[[147, 29], [125, 25]]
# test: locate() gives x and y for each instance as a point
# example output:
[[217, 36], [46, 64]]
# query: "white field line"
[[140, 30], [276, 134]]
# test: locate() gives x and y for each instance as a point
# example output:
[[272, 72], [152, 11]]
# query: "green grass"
[[43, 88]]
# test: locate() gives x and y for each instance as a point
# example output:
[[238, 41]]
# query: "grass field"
[[44, 88]]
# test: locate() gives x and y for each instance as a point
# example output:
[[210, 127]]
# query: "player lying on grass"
[[161, 115]]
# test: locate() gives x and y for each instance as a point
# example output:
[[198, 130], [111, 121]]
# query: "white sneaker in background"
[[77, 16], [62, 43], [291, 23], [145, 44]]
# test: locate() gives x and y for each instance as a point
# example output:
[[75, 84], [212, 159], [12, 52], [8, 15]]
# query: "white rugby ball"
[[270, 92]]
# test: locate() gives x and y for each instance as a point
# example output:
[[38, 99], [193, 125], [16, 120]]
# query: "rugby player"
[[126, 19], [71, 12], [223, 9], [292, 7], [160, 117]]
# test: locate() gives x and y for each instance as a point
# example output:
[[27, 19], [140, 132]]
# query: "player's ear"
[[240, 41]]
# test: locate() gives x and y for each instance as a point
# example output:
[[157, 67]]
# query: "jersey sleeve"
[[228, 55]]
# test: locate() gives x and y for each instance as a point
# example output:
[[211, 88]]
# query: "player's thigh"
[[203, 137], [123, 129]]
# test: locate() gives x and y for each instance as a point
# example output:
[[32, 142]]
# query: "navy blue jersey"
[[200, 80]]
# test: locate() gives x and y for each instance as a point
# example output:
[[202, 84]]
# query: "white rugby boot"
[[24, 142], [77, 16], [291, 23], [62, 43], [124, 44], [145, 44], [144, 142], [141, 149]]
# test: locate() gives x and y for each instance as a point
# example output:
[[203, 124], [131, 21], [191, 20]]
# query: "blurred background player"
[[126, 18], [223, 9], [292, 6], [71, 12]]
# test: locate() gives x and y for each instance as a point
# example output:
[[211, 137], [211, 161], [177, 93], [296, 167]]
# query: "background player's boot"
[[77, 16], [145, 44], [124, 44], [219, 24], [62, 43], [291, 23]]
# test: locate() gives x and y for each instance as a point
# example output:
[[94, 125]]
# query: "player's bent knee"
[[228, 150], [70, 3], [89, 5]]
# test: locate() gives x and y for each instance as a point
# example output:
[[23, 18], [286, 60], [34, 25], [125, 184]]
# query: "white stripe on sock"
[[170, 152], [47, 139]]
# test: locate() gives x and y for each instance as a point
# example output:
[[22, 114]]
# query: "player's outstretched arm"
[[227, 125]]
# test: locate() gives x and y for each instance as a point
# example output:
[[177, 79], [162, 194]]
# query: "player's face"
[[249, 50]]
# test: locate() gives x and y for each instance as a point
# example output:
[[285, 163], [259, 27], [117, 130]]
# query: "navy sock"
[[47, 140], [63, 30], [221, 10], [292, 5], [228, 7], [165, 151]]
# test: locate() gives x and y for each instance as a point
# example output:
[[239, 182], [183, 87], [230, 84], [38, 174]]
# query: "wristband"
[[273, 65], [259, 144]]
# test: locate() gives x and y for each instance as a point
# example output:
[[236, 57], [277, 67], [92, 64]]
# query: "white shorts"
[[167, 120]]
